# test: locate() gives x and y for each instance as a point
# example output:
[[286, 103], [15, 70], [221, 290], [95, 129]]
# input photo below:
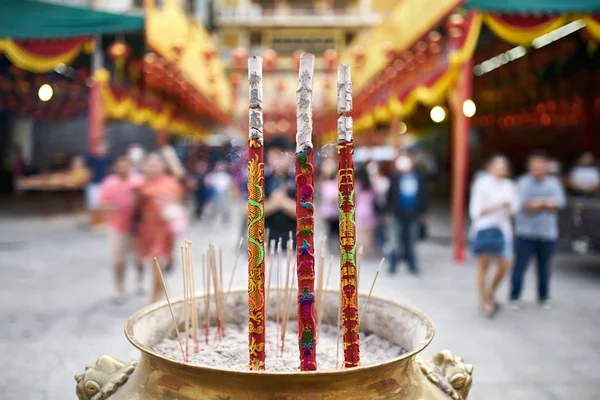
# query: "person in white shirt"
[[584, 178], [492, 205]]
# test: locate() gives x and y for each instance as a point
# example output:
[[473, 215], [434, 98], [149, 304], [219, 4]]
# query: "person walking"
[[407, 203], [492, 205], [584, 179], [159, 198], [199, 186], [536, 226], [117, 202], [99, 164], [280, 189]]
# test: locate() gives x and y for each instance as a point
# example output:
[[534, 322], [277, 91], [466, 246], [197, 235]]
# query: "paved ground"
[[56, 316]]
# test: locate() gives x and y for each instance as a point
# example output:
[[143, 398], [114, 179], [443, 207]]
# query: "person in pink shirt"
[[117, 201]]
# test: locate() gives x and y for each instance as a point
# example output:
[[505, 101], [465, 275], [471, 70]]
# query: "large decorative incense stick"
[[256, 219], [347, 225], [304, 215]]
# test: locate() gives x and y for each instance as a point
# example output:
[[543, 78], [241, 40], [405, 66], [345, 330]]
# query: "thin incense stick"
[[364, 307], [206, 288], [269, 276], [278, 304], [320, 279], [162, 279], [235, 263], [305, 225], [337, 339], [185, 303], [288, 267], [256, 218], [194, 305], [215, 277], [322, 304], [221, 294], [287, 309], [359, 257], [348, 271]]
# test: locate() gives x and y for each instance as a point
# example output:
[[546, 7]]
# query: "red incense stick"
[[348, 273], [256, 220], [305, 216]]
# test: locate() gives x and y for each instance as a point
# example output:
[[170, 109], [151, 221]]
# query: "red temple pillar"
[[95, 112], [461, 126]]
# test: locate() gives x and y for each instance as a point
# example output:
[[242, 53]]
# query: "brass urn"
[[408, 376]]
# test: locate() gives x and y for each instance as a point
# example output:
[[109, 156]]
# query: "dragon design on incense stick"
[[306, 275], [256, 256], [348, 255]]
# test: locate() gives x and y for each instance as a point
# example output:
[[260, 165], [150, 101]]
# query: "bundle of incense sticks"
[[348, 273], [305, 215], [256, 219]]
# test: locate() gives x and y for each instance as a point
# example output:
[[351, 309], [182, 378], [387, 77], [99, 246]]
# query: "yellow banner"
[[168, 28]]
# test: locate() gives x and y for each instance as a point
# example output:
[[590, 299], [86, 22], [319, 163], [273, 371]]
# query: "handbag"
[[489, 241]]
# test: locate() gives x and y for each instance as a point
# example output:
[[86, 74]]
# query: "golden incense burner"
[[408, 376]]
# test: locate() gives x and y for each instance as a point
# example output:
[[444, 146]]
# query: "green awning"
[[536, 7], [23, 19]]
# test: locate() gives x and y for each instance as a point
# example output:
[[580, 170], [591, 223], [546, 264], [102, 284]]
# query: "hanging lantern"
[[296, 59], [236, 80], [421, 52], [280, 85], [390, 52], [327, 82], [434, 42], [331, 57], [210, 52], [270, 60], [455, 27], [359, 57], [239, 57], [119, 52]]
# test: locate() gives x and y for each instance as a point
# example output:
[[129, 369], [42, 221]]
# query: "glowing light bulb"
[[45, 93], [402, 128], [469, 108], [437, 114]]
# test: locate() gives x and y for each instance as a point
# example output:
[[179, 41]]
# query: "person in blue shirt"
[[407, 204], [99, 163]]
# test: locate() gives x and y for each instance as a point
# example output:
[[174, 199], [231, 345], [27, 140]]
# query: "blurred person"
[[554, 168], [328, 190], [79, 174], [221, 183], [99, 164], [199, 185], [584, 179], [158, 196], [17, 166], [536, 226], [381, 186], [407, 203], [364, 216], [492, 205], [280, 189], [117, 202]]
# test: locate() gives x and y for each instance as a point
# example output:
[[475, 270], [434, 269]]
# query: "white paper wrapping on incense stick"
[[255, 93], [344, 128], [304, 103], [344, 89]]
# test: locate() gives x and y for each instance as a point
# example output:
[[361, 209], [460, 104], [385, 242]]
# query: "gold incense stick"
[[162, 278], [364, 307]]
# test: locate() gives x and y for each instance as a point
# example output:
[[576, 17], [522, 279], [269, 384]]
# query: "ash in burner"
[[232, 352]]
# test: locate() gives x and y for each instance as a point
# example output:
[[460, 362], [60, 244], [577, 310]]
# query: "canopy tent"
[[535, 7], [25, 19], [37, 36]]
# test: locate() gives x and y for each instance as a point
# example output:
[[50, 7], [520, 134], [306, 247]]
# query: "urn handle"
[[449, 373], [102, 379]]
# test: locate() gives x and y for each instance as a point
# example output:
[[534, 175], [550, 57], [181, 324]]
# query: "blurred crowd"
[[144, 200]]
